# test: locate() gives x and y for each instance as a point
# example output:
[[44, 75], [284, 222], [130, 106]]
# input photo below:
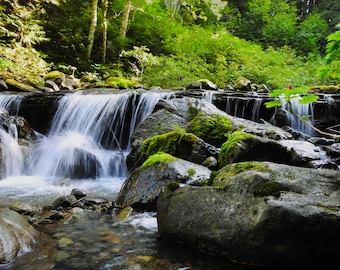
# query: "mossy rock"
[[120, 82], [157, 158], [230, 170], [173, 143], [267, 188], [18, 86], [230, 148], [325, 89], [55, 75], [213, 129]]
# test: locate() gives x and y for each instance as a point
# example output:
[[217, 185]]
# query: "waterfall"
[[89, 140], [11, 103], [305, 111], [247, 107], [11, 156], [208, 95], [89, 136]]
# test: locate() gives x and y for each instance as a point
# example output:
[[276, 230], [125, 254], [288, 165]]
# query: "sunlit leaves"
[[299, 93]]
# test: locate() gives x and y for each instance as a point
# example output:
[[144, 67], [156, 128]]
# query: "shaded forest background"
[[171, 43]]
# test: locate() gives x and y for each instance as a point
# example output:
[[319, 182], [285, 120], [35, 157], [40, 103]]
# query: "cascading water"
[[88, 140], [303, 110], [11, 157], [247, 107]]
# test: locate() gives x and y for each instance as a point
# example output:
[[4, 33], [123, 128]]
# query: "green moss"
[[211, 128], [191, 172], [267, 188], [167, 142], [326, 89], [54, 75], [228, 171], [229, 149], [172, 185], [120, 82], [157, 158]]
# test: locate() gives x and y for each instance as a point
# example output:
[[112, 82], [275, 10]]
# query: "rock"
[[52, 85], [142, 187], [258, 213], [243, 84], [78, 193], [17, 236], [202, 84], [19, 86], [3, 85], [56, 76], [63, 202], [242, 146], [201, 118]]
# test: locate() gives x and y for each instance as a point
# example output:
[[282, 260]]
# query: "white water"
[[303, 110], [85, 148]]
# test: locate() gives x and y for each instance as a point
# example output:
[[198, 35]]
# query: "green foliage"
[[20, 23], [157, 158], [215, 54], [140, 58], [333, 54], [311, 34], [172, 47], [299, 93], [23, 64]]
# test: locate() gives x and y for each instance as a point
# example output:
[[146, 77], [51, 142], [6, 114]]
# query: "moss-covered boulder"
[[177, 143], [258, 213], [243, 146], [142, 187], [213, 129]]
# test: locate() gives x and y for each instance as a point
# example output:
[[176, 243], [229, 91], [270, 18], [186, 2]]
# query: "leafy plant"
[[299, 93], [303, 97]]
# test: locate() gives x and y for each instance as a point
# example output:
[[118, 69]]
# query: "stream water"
[[90, 132]]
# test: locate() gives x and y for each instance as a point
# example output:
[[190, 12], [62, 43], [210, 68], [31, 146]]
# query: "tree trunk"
[[125, 19], [92, 30], [104, 8]]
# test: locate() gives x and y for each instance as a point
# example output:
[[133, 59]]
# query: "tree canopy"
[[173, 42]]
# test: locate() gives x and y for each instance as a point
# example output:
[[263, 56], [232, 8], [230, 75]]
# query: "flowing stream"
[[86, 148]]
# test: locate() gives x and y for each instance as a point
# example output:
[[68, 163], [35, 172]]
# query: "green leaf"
[[308, 99], [277, 92], [273, 103]]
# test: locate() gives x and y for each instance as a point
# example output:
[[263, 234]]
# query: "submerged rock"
[[17, 235], [258, 213]]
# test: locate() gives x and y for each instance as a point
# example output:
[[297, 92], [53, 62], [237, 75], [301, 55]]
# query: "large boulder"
[[142, 187], [258, 213], [17, 235], [243, 146]]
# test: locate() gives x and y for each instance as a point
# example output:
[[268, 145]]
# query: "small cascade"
[[11, 160], [244, 107], [11, 155], [11, 103], [89, 137], [208, 95], [303, 110]]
